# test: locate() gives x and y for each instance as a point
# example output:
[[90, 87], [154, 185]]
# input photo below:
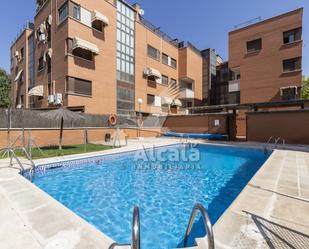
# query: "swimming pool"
[[165, 183]]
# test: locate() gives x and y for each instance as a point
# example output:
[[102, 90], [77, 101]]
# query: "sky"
[[205, 23]]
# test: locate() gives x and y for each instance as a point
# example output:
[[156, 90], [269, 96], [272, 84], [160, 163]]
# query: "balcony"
[[234, 86], [186, 93]]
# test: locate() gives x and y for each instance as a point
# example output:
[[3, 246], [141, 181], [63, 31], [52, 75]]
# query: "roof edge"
[[268, 20]]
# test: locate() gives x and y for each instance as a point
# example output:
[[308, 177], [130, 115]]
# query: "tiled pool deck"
[[271, 212]]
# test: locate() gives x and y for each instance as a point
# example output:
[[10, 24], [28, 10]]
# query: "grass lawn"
[[53, 151]]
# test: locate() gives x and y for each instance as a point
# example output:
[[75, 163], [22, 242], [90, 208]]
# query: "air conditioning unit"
[[58, 99], [42, 37], [51, 99]]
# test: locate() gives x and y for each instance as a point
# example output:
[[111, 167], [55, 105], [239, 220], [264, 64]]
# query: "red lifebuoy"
[[112, 120]]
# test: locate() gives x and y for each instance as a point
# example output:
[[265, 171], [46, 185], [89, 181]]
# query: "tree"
[[5, 89], [305, 88]]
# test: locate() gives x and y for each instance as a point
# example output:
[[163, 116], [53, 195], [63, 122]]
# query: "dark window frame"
[[22, 54], [297, 35], [173, 83], [254, 46], [149, 98], [165, 83], [289, 94], [165, 59], [150, 55], [65, 7], [76, 11], [41, 64], [75, 81], [292, 65], [173, 63]]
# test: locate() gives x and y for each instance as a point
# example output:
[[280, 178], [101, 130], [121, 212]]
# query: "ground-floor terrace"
[[272, 211]]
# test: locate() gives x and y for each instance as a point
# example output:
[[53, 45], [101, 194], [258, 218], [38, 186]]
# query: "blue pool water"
[[104, 190]]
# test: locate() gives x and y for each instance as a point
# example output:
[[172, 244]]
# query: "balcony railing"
[[189, 45], [186, 93], [159, 32], [234, 86]]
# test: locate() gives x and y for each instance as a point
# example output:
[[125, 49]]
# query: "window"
[[291, 65], [63, 12], [41, 64], [69, 46], [31, 60], [165, 59], [76, 11], [79, 86], [169, 61], [125, 94], [173, 63], [22, 54], [234, 98], [292, 36], [82, 53], [289, 93], [164, 80], [97, 25], [253, 46], [150, 99], [173, 84], [153, 52], [125, 58]]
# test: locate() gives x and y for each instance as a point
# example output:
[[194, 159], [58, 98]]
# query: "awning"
[[166, 101], [80, 43], [152, 72], [177, 102], [49, 19], [18, 76], [100, 17], [48, 53], [42, 28], [37, 91], [288, 87]]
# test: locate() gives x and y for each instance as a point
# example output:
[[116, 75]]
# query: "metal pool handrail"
[[136, 241], [207, 224], [278, 140], [32, 171]]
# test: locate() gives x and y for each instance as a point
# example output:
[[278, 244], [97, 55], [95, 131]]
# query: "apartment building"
[[22, 66], [211, 60], [265, 60], [102, 57]]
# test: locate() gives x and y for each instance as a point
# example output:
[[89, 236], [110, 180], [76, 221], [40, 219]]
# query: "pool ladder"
[[12, 155], [135, 232], [276, 142], [207, 225], [198, 207]]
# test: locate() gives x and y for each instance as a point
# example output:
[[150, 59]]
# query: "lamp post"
[[140, 102]]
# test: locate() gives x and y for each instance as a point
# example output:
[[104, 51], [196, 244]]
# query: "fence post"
[[29, 143], [85, 139]]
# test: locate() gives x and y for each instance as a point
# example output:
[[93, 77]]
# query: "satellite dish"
[[141, 12]]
